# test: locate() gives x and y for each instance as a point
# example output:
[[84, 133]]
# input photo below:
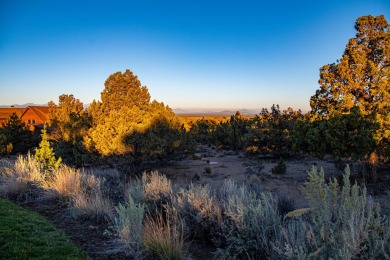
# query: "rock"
[[197, 156]]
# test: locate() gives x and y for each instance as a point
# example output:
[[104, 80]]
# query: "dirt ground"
[[209, 166], [212, 166]]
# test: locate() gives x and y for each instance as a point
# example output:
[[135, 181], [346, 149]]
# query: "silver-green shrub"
[[128, 224], [343, 223], [251, 223]]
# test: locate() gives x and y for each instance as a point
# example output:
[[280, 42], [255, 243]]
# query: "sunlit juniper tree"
[[361, 78], [125, 114]]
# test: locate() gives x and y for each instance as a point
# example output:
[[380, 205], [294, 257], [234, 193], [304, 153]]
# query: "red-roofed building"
[[33, 116]]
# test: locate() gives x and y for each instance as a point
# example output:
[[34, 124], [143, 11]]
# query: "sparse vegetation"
[[238, 220], [17, 177], [65, 183]]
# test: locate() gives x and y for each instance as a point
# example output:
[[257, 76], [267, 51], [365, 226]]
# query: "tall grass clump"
[[343, 223], [65, 183], [128, 225], [163, 236], [251, 223], [93, 201], [17, 177], [29, 167]]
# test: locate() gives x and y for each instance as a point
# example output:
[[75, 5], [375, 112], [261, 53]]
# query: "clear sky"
[[190, 54]]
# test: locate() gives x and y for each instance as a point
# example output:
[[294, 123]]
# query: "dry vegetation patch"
[[237, 211]]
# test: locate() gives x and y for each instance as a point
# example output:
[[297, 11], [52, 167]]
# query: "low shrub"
[[128, 225], [285, 205], [251, 223], [200, 210], [280, 168], [208, 170], [343, 223], [135, 190], [157, 190]]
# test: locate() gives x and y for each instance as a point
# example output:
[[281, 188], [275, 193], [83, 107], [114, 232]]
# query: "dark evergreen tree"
[[16, 135]]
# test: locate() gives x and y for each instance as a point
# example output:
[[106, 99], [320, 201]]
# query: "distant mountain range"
[[246, 112], [22, 106], [32, 104]]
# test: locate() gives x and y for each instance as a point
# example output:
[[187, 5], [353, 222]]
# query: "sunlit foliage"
[[68, 119], [69, 123], [45, 154], [360, 78], [126, 122]]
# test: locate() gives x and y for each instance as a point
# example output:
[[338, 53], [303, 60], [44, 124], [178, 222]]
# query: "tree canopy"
[[68, 119], [125, 114], [123, 89], [360, 78]]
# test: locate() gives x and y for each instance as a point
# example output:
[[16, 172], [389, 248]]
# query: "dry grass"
[[92, 202], [16, 177], [65, 183], [85, 192], [13, 185], [163, 236]]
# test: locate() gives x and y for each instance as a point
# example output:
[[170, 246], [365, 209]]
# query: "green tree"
[[5, 147], [342, 135], [270, 132], [69, 123], [202, 130], [68, 119], [160, 140], [231, 134], [126, 114], [45, 154], [360, 78], [123, 89], [17, 138]]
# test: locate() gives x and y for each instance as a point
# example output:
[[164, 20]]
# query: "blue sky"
[[190, 54]]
